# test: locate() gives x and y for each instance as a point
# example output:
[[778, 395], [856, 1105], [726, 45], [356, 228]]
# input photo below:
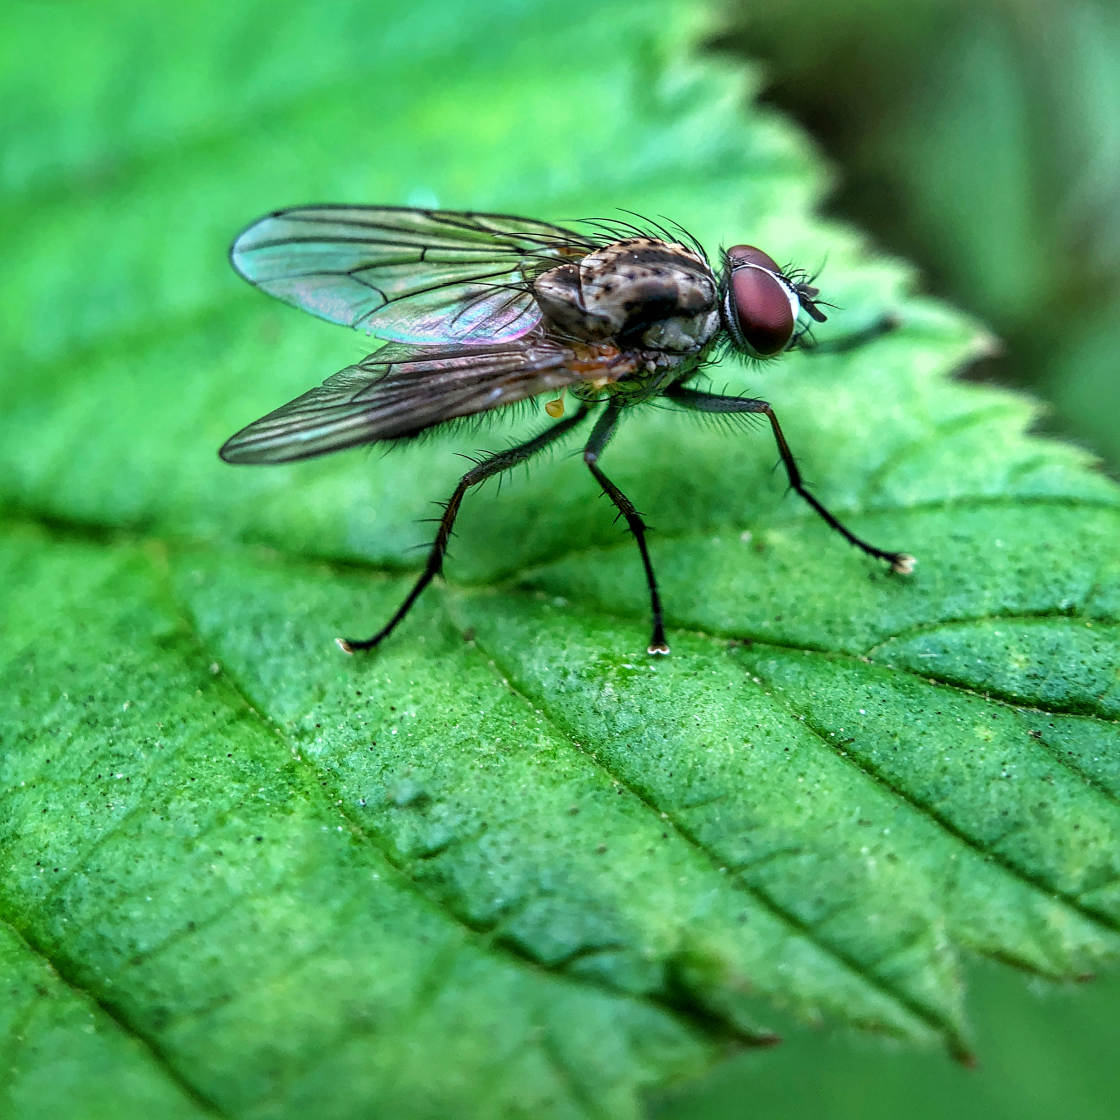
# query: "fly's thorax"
[[644, 293], [557, 291]]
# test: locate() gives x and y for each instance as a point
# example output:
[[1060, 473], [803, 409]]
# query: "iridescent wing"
[[417, 276], [401, 390]]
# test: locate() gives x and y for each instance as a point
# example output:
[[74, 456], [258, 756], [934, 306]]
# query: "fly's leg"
[[841, 344], [600, 436], [487, 468], [899, 562]]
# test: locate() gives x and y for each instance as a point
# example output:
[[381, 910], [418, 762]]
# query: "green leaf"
[[509, 864]]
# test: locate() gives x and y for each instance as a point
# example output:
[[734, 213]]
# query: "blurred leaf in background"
[[982, 140], [509, 865], [1046, 1055]]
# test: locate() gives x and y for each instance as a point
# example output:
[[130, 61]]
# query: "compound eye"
[[764, 305], [748, 254]]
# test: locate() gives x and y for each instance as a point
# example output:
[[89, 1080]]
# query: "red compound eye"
[[764, 306]]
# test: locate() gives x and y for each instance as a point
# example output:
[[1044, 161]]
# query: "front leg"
[[900, 562], [805, 343]]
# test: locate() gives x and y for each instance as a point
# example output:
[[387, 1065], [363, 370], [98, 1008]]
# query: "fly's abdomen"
[[642, 293]]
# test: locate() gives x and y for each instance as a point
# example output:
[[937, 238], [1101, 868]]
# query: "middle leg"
[[600, 436]]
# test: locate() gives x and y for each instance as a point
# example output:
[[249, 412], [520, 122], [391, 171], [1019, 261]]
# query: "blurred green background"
[[1049, 1053], [982, 141]]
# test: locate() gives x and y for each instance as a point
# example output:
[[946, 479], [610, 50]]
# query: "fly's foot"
[[351, 645], [902, 563], [658, 646]]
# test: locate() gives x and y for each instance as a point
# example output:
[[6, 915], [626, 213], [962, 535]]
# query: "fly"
[[482, 310]]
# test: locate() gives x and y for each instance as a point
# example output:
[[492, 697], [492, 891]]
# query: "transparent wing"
[[401, 390], [418, 276]]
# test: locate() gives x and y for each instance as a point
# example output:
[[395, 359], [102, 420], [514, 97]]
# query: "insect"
[[482, 310]]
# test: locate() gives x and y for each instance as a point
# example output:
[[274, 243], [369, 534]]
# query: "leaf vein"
[[60, 967], [986, 852], [923, 1012]]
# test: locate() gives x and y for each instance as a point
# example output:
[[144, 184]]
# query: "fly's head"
[[760, 304]]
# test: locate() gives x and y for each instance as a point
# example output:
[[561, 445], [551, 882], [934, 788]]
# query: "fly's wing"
[[401, 390], [416, 276]]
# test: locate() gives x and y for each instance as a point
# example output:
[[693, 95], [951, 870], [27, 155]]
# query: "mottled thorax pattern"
[[656, 295]]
